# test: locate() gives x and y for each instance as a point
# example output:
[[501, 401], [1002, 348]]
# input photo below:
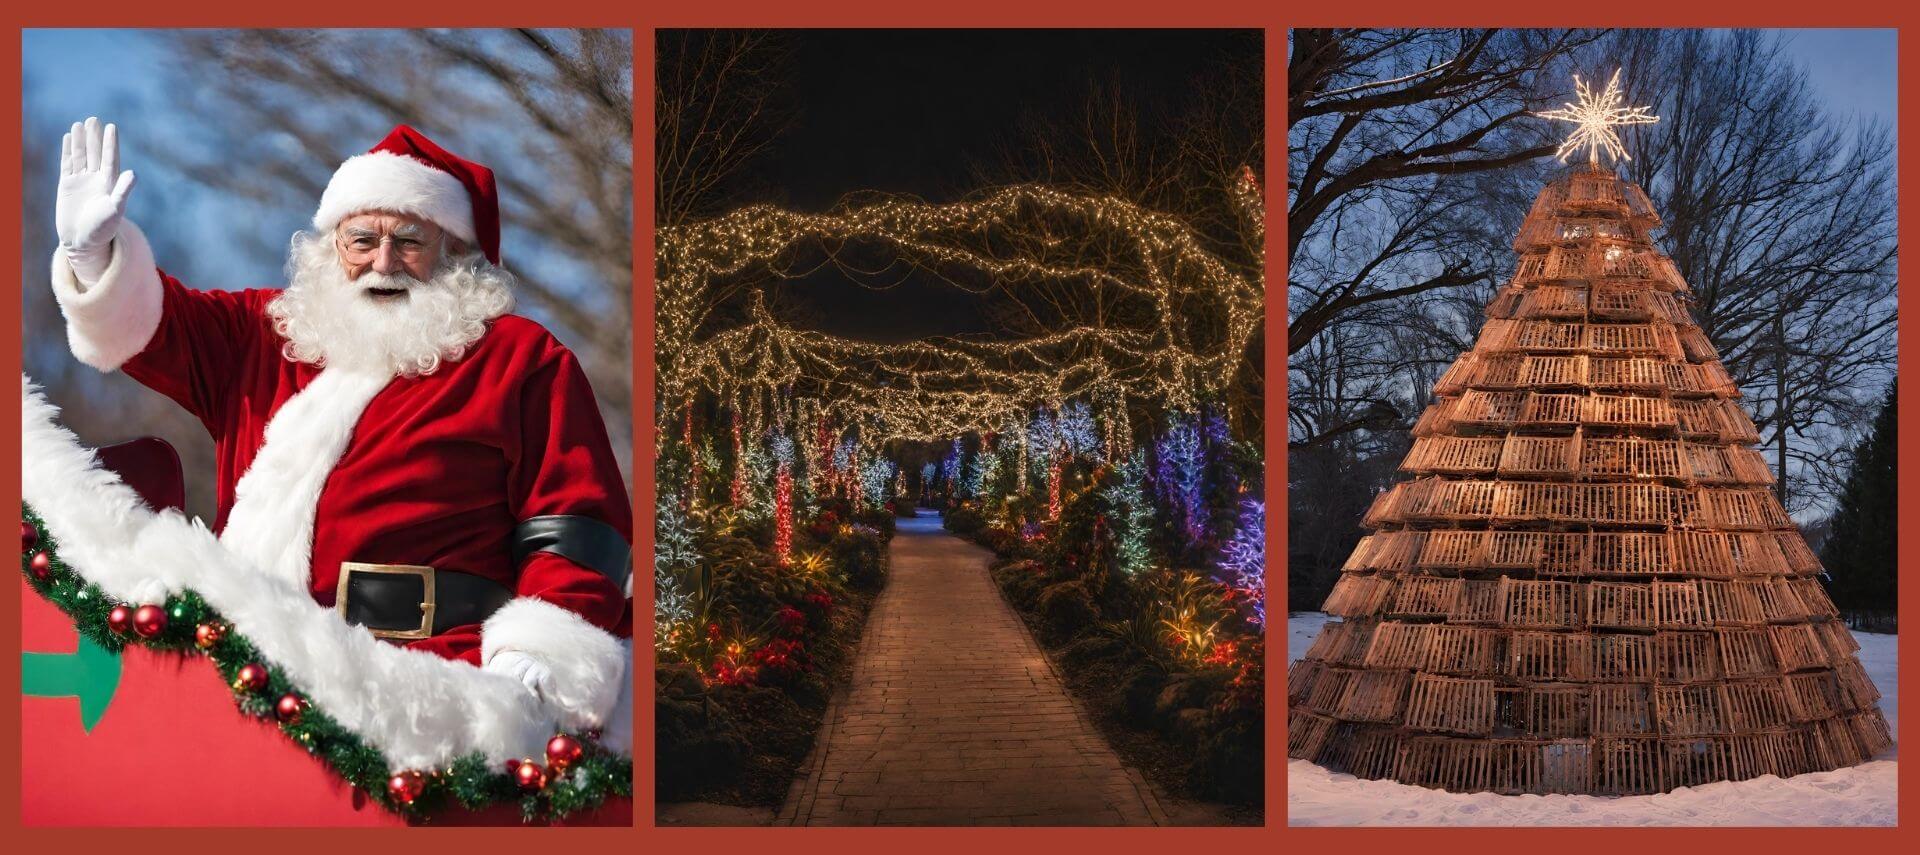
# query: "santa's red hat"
[[408, 174]]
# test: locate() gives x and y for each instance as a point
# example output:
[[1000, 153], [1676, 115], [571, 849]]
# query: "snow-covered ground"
[[1861, 795]]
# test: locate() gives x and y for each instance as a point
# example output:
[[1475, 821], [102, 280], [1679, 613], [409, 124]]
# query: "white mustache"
[[394, 281]]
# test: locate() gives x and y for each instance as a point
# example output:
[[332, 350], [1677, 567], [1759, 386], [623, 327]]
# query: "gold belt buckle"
[[348, 568]]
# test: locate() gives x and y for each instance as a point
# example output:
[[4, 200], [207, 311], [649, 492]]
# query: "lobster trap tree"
[[1588, 586]]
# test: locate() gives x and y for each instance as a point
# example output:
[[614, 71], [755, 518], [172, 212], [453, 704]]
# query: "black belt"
[[410, 601]]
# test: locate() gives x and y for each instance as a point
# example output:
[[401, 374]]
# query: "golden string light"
[[1203, 312]]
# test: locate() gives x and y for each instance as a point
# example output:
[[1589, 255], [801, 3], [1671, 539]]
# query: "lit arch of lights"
[[944, 387]]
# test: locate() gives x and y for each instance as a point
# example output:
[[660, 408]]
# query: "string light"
[[986, 469], [1244, 558], [1203, 311], [1133, 516], [1182, 463], [783, 513], [1053, 487], [738, 492], [675, 555], [1594, 117], [693, 458], [879, 471]]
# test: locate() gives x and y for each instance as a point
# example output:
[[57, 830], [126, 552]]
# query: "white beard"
[[329, 320]]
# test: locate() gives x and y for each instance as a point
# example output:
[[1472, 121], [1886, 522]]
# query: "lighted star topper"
[[1595, 118]]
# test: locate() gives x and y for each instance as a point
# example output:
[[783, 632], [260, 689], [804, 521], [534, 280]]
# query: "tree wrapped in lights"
[[756, 479], [1180, 470], [1075, 429], [1243, 561], [1585, 585], [737, 491], [1053, 486], [675, 557], [783, 514], [985, 473], [1133, 515], [877, 478], [950, 470], [1044, 435], [783, 454]]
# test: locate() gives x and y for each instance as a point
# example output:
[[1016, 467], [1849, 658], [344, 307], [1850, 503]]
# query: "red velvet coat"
[[438, 469]]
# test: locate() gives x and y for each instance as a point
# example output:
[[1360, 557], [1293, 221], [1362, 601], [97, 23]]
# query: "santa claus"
[[387, 436]]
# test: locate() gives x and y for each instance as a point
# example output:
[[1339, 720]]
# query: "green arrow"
[[91, 673]]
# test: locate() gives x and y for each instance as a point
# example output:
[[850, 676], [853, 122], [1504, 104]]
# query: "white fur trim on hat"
[[384, 181], [113, 319]]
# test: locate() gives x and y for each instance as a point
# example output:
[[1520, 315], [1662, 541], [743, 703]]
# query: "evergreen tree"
[[1860, 555]]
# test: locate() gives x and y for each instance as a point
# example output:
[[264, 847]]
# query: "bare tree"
[[1781, 217], [718, 107], [1376, 121]]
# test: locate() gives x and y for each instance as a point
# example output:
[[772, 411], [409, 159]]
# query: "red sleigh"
[[149, 739]]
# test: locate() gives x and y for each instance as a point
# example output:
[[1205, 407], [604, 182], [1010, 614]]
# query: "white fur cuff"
[[112, 319], [384, 181], [589, 664]]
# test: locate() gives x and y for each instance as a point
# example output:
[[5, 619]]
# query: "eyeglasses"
[[361, 247]]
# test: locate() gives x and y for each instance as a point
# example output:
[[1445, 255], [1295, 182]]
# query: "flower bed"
[[749, 652]]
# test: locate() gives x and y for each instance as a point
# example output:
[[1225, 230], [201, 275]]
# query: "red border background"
[[643, 18]]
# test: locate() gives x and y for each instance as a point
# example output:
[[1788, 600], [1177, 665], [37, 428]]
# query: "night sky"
[[915, 111]]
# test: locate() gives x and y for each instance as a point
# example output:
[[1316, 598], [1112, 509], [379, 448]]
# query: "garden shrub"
[[965, 520], [878, 519], [1066, 608], [1022, 581], [1138, 690], [697, 743], [1092, 648], [861, 554]]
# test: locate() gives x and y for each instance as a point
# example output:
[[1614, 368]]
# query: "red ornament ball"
[[530, 776], [40, 565], [252, 677], [29, 536], [562, 751], [289, 708], [406, 786], [149, 620], [120, 619], [206, 635]]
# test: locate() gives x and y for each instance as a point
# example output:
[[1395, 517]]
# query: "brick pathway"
[[954, 716]]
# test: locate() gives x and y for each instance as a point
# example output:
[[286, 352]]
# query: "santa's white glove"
[[527, 669], [93, 198]]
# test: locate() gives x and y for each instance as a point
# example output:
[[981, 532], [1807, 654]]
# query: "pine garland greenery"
[[471, 782]]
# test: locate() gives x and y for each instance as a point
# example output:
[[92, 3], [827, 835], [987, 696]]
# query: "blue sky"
[[1854, 70]]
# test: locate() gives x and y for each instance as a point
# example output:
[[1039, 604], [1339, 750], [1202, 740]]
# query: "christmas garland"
[[577, 774]]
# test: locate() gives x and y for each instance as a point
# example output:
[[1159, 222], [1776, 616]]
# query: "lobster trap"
[[1586, 583]]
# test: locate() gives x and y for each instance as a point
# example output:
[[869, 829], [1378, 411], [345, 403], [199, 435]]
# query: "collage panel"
[[960, 469], [1591, 427], [327, 427]]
